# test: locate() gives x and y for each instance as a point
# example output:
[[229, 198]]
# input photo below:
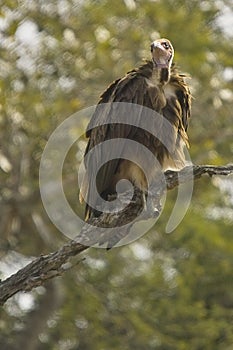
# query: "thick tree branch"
[[49, 266]]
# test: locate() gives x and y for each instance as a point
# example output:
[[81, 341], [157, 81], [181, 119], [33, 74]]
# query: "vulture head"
[[162, 53]]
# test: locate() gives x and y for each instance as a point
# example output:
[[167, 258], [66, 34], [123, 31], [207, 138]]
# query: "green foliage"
[[164, 291]]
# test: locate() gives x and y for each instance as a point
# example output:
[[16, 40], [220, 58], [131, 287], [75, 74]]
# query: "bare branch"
[[49, 266], [173, 178]]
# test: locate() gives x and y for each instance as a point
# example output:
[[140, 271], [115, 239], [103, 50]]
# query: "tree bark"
[[46, 267]]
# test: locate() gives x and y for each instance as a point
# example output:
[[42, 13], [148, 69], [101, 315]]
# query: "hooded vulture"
[[157, 85]]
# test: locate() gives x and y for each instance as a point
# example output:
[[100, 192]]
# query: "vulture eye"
[[165, 45]]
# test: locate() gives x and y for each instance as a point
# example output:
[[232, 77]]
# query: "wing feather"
[[177, 112], [129, 89]]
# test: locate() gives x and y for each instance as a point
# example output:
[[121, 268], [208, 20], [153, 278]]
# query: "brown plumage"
[[157, 85]]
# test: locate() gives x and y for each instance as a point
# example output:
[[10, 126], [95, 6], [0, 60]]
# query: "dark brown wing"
[[177, 112], [131, 89]]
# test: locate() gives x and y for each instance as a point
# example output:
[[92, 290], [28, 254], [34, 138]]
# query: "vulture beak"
[[162, 53], [157, 45]]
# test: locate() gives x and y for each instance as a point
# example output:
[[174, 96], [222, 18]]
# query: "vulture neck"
[[161, 75]]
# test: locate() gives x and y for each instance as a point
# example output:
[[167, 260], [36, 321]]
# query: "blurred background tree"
[[163, 291]]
